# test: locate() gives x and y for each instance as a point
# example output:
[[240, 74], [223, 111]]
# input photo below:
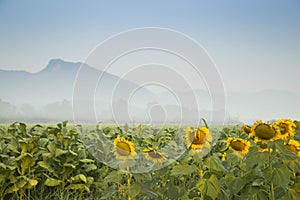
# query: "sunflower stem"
[[241, 171], [128, 183], [204, 121], [271, 169]]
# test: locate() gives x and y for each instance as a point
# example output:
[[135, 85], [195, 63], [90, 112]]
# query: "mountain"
[[63, 88], [54, 83]]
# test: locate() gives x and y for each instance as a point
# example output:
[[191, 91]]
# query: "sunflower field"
[[257, 161]]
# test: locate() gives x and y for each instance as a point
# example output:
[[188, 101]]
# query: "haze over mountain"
[[46, 96]]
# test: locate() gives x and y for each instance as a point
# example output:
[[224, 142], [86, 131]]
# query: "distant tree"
[[28, 110], [7, 111], [61, 110]]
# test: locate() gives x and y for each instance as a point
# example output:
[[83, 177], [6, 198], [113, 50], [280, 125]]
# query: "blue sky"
[[255, 44]]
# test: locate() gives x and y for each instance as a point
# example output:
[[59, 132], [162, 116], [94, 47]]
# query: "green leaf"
[[294, 192], [32, 182], [254, 157], [23, 146], [90, 167], [262, 194], [209, 187], [78, 186], [52, 182], [113, 177], [51, 147], [64, 124], [87, 161], [16, 187], [70, 165], [134, 190], [294, 165], [89, 180], [2, 165], [223, 195], [278, 144], [183, 169], [142, 177], [236, 184], [73, 153], [43, 142], [279, 176], [26, 162], [60, 152], [172, 192], [109, 193], [213, 163], [46, 166], [79, 177], [232, 157], [22, 128], [12, 148]]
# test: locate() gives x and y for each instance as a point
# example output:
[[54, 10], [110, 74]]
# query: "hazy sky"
[[255, 44]]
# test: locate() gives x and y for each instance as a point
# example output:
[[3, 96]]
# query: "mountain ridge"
[[49, 87]]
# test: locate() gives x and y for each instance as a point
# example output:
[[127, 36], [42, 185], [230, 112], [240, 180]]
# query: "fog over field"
[[46, 96]]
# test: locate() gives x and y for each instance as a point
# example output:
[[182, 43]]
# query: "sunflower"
[[293, 146], [224, 156], [238, 145], [154, 156], [264, 147], [197, 138], [123, 149], [287, 128], [264, 132], [246, 129]]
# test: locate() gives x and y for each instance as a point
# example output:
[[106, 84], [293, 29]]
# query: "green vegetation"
[[52, 162]]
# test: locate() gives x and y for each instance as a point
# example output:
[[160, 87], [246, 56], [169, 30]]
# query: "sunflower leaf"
[[113, 177], [254, 157], [52, 182], [214, 163], [281, 176], [184, 169], [209, 187], [134, 190], [294, 192], [78, 186], [109, 193]]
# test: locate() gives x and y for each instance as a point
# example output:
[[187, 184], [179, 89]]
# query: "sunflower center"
[[199, 137], [123, 149], [283, 128], [264, 131], [292, 148], [263, 146], [154, 155], [247, 129], [238, 145]]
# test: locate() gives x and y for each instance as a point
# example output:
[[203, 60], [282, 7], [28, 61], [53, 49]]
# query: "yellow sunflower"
[[224, 156], [264, 147], [287, 128], [264, 132], [154, 156], [198, 138], [238, 145], [246, 129], [293, 146], [123, 149]]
